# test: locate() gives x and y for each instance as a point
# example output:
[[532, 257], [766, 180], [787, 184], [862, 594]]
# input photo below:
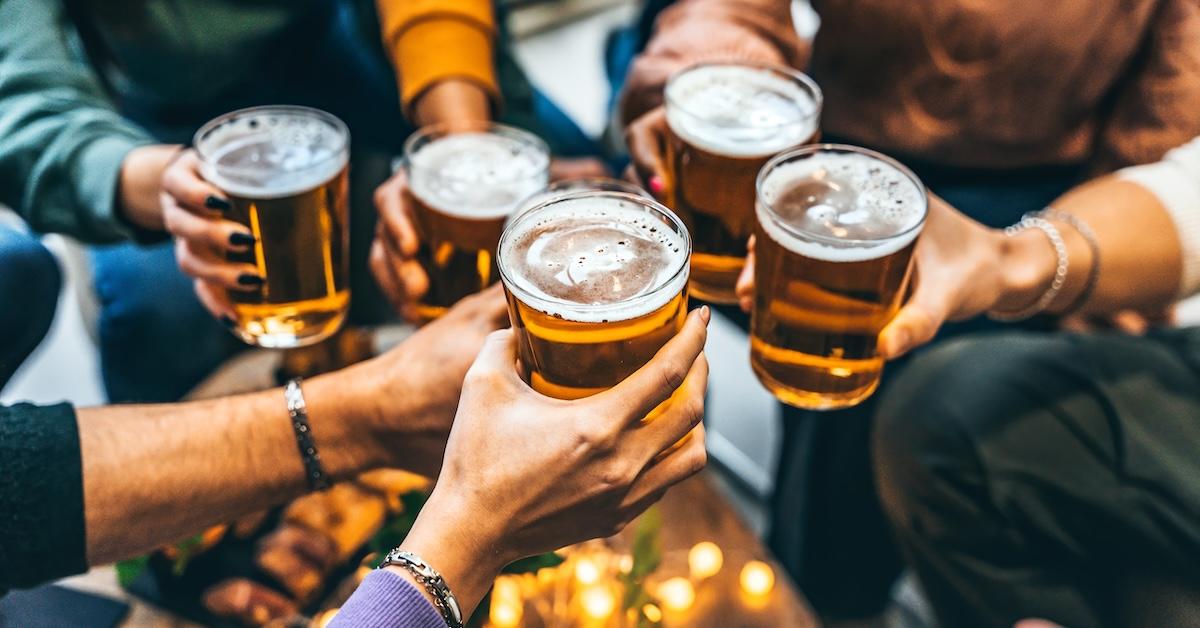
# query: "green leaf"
[[647, 556], [128, 570], [533, 563], [187, 549]]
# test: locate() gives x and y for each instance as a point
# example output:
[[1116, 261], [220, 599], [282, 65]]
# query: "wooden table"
[[693, 511]]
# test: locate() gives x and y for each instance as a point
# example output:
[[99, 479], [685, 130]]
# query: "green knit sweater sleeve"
[[61, 141], [42, 534]]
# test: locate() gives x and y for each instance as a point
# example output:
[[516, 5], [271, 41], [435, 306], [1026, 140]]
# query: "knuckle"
[[673, 376], [698, 460], [615, 477], [695, 411]]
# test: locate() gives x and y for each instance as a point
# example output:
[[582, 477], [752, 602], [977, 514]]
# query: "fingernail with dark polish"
[[216, 202], [238, 238], [250, 280], [656, 184], [226, 321]]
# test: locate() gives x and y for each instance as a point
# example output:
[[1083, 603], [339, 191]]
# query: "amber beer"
[[465, 183], [836, 230], [596, 285], [726, 121], [285, 171]]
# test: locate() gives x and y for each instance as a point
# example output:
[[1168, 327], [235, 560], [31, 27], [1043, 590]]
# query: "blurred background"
[[560, 43]]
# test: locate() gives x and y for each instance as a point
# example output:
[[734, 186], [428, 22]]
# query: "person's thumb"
[[499, 353], [914, 325]]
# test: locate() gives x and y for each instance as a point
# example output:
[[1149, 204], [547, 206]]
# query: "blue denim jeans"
[[29, 286]]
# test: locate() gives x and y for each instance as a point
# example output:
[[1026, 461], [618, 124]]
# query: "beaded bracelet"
[[1060, 272], [1089, 236]]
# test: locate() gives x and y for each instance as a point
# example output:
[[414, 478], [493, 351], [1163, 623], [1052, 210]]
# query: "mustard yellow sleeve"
[[434, 40]]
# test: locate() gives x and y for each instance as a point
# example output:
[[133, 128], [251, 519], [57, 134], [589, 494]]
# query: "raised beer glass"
[[836, 230], [466, 181], [596, 285], [285, 172], [726, 121]]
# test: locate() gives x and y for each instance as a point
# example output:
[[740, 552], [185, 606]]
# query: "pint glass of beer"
[[596, 285], [726, 121], [465, 182], [285, 172], [836, 230]]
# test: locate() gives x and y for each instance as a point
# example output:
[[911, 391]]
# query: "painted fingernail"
[[226, 321], [238, 238], [657, 185], [216, 202], [247, 279]]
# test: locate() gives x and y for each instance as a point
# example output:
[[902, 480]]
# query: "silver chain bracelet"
[[1060, 272], [428, 577]]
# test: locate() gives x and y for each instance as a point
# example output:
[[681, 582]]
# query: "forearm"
[[1140, 259], [451, 102], [156, 474]]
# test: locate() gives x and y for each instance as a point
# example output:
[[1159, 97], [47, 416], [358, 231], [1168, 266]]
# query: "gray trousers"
[[1052, 476]]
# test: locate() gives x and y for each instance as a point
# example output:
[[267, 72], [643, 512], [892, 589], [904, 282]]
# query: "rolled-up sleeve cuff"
[[42, 530], [1176, 183], [98, 173], [438, 48]]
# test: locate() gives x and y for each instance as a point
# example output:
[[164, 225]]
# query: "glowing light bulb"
[[677, 594], [652, 612], [757, 578], [598, 602], [507, 588], [586, 571], [506, 613], [705, 560]]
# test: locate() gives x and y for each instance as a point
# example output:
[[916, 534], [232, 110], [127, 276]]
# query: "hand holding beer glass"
[[264, 231], [720, 124], [596, 284], [836, 230], [465, 182]]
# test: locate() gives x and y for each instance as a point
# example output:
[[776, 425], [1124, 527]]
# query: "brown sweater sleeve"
[[692, 31], [1158, 107]]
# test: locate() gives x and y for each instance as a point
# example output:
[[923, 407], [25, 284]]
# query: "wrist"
[[343, 424], [452, 101], [1027, 265], [461, 543], [141, 182]]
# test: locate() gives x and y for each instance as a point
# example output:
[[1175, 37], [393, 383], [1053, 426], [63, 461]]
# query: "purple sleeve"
[[385, 600]]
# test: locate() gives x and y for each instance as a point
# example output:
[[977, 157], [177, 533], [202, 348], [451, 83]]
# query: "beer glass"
[[836, 230], [465, 182], [285, 172], [726, 121], [596, 284]]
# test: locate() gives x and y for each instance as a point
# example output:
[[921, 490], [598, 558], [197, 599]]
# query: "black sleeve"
[[41, 495]]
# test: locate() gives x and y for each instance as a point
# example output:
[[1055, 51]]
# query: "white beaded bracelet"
[[1060, 272]]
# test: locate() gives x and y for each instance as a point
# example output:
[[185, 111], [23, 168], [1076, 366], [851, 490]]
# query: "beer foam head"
[[477, 175], [595, 258], [840, 206], [742, 110], [272, 152]]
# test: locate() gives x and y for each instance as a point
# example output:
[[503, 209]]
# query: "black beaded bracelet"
[[298, 412]]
